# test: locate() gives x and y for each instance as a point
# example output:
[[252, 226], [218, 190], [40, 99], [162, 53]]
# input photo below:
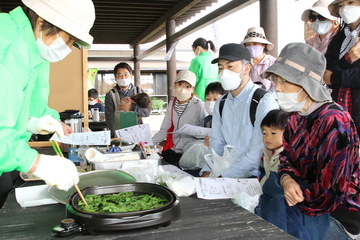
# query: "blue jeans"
[[336, 231]]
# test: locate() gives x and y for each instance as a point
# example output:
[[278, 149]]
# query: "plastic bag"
[[181, 183], [193, 156], [218, 164]]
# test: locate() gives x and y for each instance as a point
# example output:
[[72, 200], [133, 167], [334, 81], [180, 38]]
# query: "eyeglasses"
[[312, 18]]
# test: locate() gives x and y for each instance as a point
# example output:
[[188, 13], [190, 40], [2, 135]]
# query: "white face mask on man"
[[57, 51], [289, 101], [350, 13], [321, 27], [231, 80], [123, 82]]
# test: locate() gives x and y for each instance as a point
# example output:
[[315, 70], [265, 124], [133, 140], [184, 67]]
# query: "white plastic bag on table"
[[180, 182], [142, 171], [193, 156], [218, 164]]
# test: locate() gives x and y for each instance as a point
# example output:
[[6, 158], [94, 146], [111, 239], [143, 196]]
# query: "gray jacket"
[[194, 114]]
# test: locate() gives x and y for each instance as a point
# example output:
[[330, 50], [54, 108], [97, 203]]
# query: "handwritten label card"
[[222, 188], [85, 138], [198, 132], [136, 134]]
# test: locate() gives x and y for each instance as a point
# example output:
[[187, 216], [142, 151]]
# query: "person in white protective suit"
[[32, 36]]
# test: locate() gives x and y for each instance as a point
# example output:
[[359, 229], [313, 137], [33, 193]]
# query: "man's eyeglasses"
[[312, 18]]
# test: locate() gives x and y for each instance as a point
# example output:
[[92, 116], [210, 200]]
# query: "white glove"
[[55, 170], [45, 125]]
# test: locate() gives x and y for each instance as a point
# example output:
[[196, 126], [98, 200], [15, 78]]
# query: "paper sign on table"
[[85, 138], [136, 134], [196, 131], [222, 188]]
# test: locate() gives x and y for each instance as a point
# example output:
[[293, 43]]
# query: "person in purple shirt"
[[258, 45]]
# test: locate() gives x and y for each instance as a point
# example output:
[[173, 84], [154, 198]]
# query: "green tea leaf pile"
[[120, 202]]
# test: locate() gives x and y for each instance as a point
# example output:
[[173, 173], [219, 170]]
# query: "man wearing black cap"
[[232, 124]]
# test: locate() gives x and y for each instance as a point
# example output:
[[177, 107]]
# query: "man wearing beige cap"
[[322, 23], [31, 37]]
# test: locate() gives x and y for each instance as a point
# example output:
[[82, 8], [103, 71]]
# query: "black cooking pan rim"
[[144, 188]]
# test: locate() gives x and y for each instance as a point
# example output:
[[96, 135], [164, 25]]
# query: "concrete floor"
[[155, 121]]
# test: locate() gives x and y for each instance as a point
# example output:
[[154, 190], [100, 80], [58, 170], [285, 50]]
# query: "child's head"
[[213, 91], [272, 127], [142, 100], [92, 96]]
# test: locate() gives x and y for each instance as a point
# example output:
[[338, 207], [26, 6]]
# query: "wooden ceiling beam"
[[212, 17], [176, 11]]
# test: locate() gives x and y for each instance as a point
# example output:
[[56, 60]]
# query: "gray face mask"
[[57, 51]]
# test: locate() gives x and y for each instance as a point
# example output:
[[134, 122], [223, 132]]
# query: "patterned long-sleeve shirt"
[[322, 149]]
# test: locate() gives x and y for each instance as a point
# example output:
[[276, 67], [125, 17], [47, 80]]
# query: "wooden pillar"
[[136, 65], [268, 21], [171, 63]]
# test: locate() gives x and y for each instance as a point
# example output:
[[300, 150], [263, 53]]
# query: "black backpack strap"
[[221, 105], [258, 94]]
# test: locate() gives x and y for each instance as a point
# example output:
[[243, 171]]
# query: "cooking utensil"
[[93, 178], [161, 216], [80, 194]]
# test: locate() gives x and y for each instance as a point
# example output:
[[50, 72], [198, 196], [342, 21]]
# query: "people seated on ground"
[[93, 98], [323, 25], [194, 152], [141, 99], [319, 166], [233, 124], [123, 88], [184, 108], [258, 45], [201, 65], [342, 58], [272, 127]]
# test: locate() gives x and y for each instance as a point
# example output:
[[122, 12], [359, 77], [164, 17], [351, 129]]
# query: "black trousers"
[[7, 181]]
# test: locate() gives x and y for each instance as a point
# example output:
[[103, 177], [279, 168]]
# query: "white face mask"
[[321, 27], [92, 102], [255, 50], [57, 51], [230, 80], [209, 107], [289, 101], [182, 94], [123, 82], [350, 13]]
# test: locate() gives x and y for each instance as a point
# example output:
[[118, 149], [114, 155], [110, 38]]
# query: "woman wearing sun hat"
[[343, 58], [319, 166], [322, 23], [258, 45], [31, 37]]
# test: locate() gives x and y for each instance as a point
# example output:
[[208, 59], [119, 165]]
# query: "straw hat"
[[320, 7], [257, 34], [302, 65], [74, 17]]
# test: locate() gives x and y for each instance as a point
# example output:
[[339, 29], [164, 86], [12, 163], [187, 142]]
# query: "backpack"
[[258, 94]]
